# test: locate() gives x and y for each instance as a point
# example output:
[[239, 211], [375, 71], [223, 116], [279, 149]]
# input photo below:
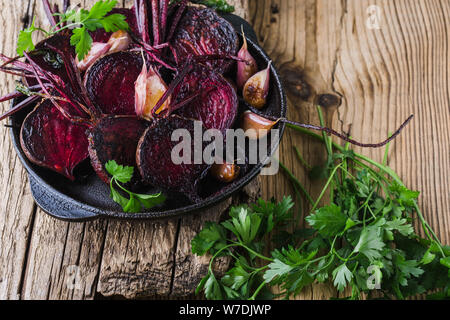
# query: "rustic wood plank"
[[389, 73], [17, 206], [383, 75], [77, 260]]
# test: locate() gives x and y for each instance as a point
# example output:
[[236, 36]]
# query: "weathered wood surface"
[[386, 68], [382, 74]]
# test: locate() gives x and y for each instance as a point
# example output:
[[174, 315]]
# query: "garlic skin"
[[98, 49], [256, 126], [225, 172], [119, 41], [149, 88], [247, 68], [256, 89]]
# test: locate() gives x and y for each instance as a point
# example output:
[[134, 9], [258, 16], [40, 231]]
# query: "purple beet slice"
[[115, 138], [110, 82], [49, 140], [203, 32], [217, 103], [155, 162]]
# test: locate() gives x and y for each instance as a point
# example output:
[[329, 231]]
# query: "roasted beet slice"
[[217, 103], [203, 32], [110, 82], [50, 140], [155, 161], [100, 35], [115, 138]]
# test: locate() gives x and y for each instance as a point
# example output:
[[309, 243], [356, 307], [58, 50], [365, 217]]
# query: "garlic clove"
[[98, 49], [256, 126], [225, 172], [256, 88], [247, 68], [119, 41], [149, 88]]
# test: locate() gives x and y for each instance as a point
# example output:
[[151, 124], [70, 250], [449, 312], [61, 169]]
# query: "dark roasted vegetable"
[[203, 32], [50, 140], [115, 138], [155, 161], [217, 104], [110, 82]]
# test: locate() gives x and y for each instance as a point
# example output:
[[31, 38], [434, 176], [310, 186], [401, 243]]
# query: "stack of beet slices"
[[124, 100]]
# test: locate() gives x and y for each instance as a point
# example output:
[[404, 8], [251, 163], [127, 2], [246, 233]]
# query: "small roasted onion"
[[246, 68], [225, 172], [256, 89], [149, 89], [256, 126], [98, 49], [119, 41]]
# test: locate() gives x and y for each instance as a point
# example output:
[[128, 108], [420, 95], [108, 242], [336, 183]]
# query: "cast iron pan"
[[89, 198]]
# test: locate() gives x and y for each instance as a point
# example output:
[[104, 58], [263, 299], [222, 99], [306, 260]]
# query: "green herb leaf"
[[25, 41], [328, 221], [212, 236], [122, 174], [370, 243], [341, 276]]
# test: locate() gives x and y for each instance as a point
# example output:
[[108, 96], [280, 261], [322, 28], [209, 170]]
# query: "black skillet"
[[89, 198]]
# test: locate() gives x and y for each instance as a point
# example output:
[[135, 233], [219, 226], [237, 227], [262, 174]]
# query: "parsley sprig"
[[362, 239], [135, 202], [81, 22]]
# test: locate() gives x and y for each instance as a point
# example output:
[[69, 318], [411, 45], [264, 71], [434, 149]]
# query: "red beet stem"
[[182, 6], [149, 50], [175, 82], [19, 106], [49, 13], [164, 12], [143, 21], [73, 71], [17, 94], [184, 102], [71, 118], [66, 5], [155, 19]]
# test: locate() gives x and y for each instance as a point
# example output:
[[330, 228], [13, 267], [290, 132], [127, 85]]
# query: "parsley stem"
[[297, 182], [255, 294], [391, 173], [240, 244], [300, 158], [333, 173]]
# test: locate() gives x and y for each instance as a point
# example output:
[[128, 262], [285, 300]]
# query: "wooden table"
[[385, 59]]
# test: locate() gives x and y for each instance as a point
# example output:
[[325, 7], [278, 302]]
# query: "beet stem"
[[331, 131], [176, 20], [66, 5], [175, 82], [49, 13], [155, 19], [19, 106], [143, 21], [164, 12]]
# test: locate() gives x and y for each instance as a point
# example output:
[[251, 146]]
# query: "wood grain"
[[82, 260], [382, 74], [16, 206]]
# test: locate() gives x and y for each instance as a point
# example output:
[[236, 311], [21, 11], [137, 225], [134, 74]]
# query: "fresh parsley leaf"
[[25, 41], [135, 202], [277, 268], [244, 224], [82, 21], [370, 243], [341, 276], [328, 221], [120, 173], [210, 239]]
